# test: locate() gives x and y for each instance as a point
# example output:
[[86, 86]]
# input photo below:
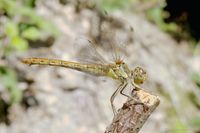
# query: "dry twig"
[[131, 117]]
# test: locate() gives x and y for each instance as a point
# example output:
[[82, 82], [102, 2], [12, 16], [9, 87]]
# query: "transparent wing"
[[110, 43], [115, 38], [87, 52]]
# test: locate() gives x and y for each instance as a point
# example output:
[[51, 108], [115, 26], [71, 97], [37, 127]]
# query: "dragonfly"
[[117, 70]]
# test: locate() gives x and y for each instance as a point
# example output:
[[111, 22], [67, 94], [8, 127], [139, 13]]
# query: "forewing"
[[87, 52]]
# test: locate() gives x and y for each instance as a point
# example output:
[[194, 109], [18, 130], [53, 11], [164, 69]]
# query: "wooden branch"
[[132, 116]]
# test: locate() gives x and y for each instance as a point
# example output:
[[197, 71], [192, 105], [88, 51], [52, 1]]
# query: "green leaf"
[[19, 43], [9, 79], [179, 127], [8, 6], [195, 122], [110, 5], [48, 28], [196, 78], [31, 33], [11, 29]]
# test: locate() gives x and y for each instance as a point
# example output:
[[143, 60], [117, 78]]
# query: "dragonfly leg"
[[131, 97], [136, 86], [120, 87]]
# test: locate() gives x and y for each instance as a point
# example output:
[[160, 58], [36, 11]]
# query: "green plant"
[[8, 79], [179, 127], [195, 123], [110, 5], [21, 24], [196, 79]]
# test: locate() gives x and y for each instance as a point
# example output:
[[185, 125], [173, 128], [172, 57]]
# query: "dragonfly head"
[[139, 75]]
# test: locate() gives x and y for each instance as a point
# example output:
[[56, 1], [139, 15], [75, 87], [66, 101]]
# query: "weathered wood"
[[132, 116]]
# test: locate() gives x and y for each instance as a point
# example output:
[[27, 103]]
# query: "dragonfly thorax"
[[119, 72], [123, 73]]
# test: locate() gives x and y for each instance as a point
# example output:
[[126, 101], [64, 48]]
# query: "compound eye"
[[139, 75]]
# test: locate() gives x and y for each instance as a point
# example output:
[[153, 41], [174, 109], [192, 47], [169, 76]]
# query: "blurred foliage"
[[195, 122], [196, 79], [194, 99], [157, 15], [110, 5], [179, 127], [176, 125], [21, 24], [15, 40], [154, 10], [9, 80]]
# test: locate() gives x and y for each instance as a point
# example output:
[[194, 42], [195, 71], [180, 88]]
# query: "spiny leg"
[[120, 87], [131, 97], [135, 86]]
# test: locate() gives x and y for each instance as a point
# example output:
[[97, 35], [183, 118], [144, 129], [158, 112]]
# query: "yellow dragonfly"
[[118, 70]]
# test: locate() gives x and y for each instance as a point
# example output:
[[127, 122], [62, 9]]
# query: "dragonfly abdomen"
[[41, 61], [95, 69]]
